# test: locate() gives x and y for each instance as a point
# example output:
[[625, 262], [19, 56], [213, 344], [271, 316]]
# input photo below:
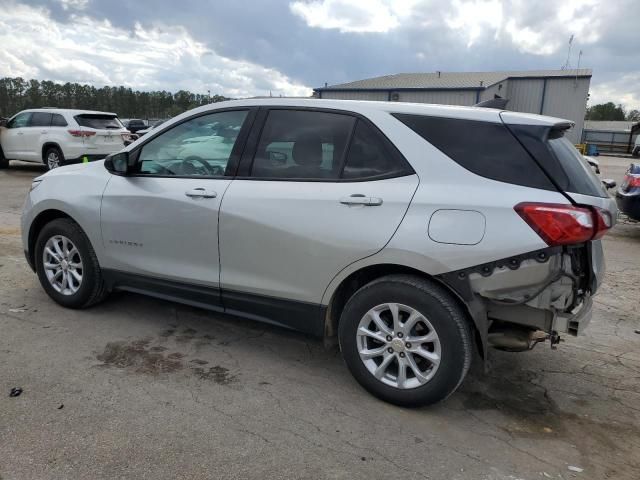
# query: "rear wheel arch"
[[358, 279], [46, 146]]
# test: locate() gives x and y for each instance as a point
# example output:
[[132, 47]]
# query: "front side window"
[[303, 145], [40, 119], [20, 120], [201, 146]]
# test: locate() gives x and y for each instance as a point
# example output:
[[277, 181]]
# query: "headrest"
[[307, 150]]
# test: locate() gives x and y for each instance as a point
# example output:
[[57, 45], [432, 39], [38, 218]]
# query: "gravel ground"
[[140, 388]]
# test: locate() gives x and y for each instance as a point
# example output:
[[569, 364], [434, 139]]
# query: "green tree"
[[17, 94], [633, 116], [606, 111]]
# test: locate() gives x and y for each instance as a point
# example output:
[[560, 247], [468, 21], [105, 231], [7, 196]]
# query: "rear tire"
[[423, 332], [53, 158], [67, 266], [4, 163]]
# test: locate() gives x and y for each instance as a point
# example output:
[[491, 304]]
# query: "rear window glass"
[[583, 179], [486, 149], [98, 121]]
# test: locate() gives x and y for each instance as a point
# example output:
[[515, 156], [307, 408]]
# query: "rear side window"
[[98, 121], [486, 149], [40, 119], [302, 144], [58, 120], [583, 179], [369, 157]]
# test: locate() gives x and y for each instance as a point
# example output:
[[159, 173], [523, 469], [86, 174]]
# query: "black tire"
[[4, 163], [447, 317], [55, 151], [92, 289], [636, 152]]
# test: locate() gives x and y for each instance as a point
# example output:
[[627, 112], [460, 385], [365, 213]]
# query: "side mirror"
[[609, 183], [118, 163]]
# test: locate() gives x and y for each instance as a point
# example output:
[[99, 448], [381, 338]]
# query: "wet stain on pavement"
[[218, 374]]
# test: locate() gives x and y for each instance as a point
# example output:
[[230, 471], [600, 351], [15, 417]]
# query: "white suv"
[[57, 137], [415, 234]]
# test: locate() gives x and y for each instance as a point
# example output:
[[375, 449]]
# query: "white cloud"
[[473, 18], [372, 16], [86, 50], [625, 89], [74, 4]]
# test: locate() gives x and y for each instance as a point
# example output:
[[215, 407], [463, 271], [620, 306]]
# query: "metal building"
[[611, 136], [559, 93]]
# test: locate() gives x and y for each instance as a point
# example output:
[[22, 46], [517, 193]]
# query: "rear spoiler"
[[498, 103]]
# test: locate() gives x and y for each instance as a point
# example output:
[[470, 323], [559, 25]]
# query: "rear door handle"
[[359, 199], [200, 193]]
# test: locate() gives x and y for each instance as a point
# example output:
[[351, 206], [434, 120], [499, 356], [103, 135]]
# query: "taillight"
[[559, 224], [630, 181], [81, 133]]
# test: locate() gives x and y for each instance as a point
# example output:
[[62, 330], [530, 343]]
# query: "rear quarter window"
[[582, 178], [484, 148]]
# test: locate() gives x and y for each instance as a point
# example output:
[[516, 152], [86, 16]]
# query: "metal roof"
[[610, 125], [449, 80]]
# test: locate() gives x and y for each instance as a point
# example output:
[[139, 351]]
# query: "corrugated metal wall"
[[440, 97], [525, 95], [567, 98], [355, 95], [500, 89]]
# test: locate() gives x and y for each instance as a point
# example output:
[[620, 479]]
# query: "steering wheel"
[[188, 163]]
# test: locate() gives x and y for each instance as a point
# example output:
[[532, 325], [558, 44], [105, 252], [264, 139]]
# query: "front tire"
[[67, 266], [53, 158], [406, 340]]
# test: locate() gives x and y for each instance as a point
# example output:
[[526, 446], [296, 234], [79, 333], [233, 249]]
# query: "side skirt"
[[295, 315]]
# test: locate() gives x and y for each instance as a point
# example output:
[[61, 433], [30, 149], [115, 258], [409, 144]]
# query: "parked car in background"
[[58, 137], [135, 124], [628, 195], [146, 130], [372, 222]]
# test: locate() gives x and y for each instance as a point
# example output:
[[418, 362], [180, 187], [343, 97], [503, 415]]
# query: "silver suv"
[[415, 234]]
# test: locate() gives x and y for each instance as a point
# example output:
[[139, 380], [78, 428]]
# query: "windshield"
[[98, 121]]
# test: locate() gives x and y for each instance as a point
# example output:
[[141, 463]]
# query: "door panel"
[[288, 239], [13, 144], [156, 226]]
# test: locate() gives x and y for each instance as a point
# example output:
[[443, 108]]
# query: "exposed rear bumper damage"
[[520, 301]]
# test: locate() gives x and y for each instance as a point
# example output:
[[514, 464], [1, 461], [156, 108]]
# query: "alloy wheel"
[[53, 160], [62, 265], [398, 345]]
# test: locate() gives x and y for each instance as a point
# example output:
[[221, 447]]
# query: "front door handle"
[[359, 199], [200, 193]]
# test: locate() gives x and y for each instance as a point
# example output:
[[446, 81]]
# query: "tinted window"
[[20, 120], [486, 149], [302, 144], [58, 120], [200, 146], [583, 179], [369, 156], [40, 119], [98, 121]]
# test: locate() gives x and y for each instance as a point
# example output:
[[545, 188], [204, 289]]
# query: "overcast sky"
[[243, 48]]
